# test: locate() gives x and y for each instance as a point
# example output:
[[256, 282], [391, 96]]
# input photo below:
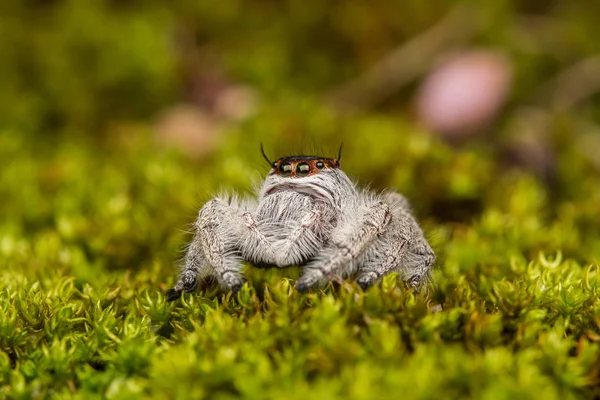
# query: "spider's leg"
[[195, 268], [349, 240], [402, 248], [214, 250], [417, 263]]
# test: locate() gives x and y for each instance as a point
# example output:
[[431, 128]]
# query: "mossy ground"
[[90, 238], [94, 215]]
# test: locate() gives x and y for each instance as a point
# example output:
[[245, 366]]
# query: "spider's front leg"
[[194, 268], [214, 250], [348, 242]]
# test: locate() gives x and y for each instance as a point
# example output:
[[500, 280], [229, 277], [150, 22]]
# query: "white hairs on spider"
[[308, 213]]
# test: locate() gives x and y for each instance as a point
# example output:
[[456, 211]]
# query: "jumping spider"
[[308, 213]]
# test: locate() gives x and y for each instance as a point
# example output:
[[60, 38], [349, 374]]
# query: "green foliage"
[[93, 214], [88, 250], [81, 65]]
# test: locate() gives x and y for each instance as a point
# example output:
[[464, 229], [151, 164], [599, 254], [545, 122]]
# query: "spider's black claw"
[[172, 294], [236, 288], [302, 287], [190, 282], [309, 280], [366, 280]]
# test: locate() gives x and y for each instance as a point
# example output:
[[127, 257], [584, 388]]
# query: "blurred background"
[[116, 111], [119, 118]]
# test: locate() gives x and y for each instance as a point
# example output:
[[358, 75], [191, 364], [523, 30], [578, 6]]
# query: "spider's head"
[[301, 166], [318, 177]]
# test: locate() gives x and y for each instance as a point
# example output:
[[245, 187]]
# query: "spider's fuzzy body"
[[308, 213]]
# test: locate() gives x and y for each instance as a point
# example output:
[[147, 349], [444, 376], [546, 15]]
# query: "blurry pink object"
[[188, 129], [465, 93], [236, 103]]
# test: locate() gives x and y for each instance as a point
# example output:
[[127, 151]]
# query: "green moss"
[[94, 215], [88, 250]]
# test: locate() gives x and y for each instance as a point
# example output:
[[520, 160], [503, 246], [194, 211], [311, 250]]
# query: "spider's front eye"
[[275, 164], [285, 168], [303, 169], [320, 164]]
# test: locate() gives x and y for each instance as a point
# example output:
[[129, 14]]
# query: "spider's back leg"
[[402, 248]]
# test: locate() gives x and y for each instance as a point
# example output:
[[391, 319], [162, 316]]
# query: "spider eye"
[[320, 164], [285, 168], [275, 164], [303, 169]]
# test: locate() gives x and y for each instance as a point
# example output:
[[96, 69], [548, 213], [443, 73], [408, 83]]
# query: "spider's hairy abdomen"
[[308, 212]]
